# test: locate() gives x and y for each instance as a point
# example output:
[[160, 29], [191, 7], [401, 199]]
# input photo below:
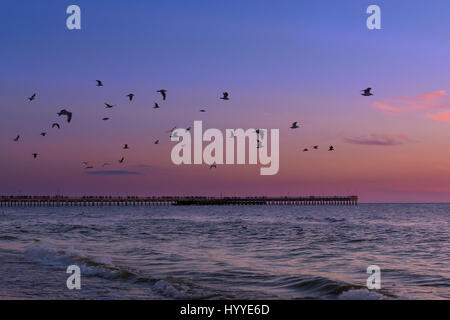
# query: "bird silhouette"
[[366, 92], [188, 129], [202, 110], [121, 160], [17, 138], [306, 149], [33, 96], [294, 125], [156, 106], [89, 167], [56, 125], [109, 106], [330, 148], [43, 134], [126, 146], [163, 93], [316, 147], [64, 112], [225, 96], [99, 83], [213, 166], [104, 119], [130, 96], [157, 142], [34, 155]]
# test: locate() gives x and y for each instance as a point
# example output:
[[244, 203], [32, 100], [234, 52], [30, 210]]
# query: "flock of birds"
[[225, 96]]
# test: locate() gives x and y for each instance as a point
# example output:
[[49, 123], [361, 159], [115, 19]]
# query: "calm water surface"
[[236, 252]]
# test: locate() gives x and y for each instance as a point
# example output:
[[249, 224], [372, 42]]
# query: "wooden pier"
[[62, 201]]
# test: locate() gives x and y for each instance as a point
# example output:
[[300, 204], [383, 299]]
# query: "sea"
[[226, 252]]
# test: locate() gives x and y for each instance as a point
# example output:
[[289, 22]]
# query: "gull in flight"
[[225, 96], [99, 83], [294, 125], [43, 134], [64, 112], [34, 155], [104, 119], [316, 147], [157, 142], [126, 146], [156, 106], [163, 93], [202, 110], [306, 149], [109, 106], [89, 167], [213, 166], [121, 160], [330, 148], [366, 92], [17, 138], [130, 96], [33, 96], [56, 125]]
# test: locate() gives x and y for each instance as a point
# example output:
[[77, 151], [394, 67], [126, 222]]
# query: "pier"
[[63, 201]]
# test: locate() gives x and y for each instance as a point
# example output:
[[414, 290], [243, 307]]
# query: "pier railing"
[[57, 201]]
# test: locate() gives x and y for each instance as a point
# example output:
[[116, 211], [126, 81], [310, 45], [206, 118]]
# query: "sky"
[[281, 61]]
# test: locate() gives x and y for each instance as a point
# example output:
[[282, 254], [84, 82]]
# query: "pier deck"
[[58, 201]]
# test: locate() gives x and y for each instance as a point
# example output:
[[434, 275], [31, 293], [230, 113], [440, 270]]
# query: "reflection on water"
[[239, 252]]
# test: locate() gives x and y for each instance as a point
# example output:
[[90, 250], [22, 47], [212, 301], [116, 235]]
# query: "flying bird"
[[33, 96], [225, 96], [121, 160], [202, 110], [64, 112], [213, 166], [156, 106], [56, 125], [43, 134], [188, 129], [17, 138], [163, 93], [330, 148], [107, 105], [316, 147], [104, 119], [99, 83], [294, 125], [89, 167], [126, 146], [366, 92], [157, 142], [130, 96], [34, 155], [306, 149]]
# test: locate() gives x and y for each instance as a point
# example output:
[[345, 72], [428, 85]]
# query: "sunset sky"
[[281, 61]]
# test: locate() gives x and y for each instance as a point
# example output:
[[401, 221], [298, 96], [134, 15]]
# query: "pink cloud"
[[441, 116], [380, 139], [426, 101]]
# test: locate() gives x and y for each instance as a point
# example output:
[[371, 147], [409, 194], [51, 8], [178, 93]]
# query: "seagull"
[[34, 155], [306, 149], [90, 167], [43, 134], [330, 148], [188, 129], [56, 125], [213, 166], [130, 96], [316, 147], [121, 160], [126, 146], [157, 142], [17, 138], [202, 110], [156, 106], [104, 119], [225, 96], [366, 92], [294, 125], [33, 96], [109, 105], [163, 93], [99, 83], [64, 112]]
